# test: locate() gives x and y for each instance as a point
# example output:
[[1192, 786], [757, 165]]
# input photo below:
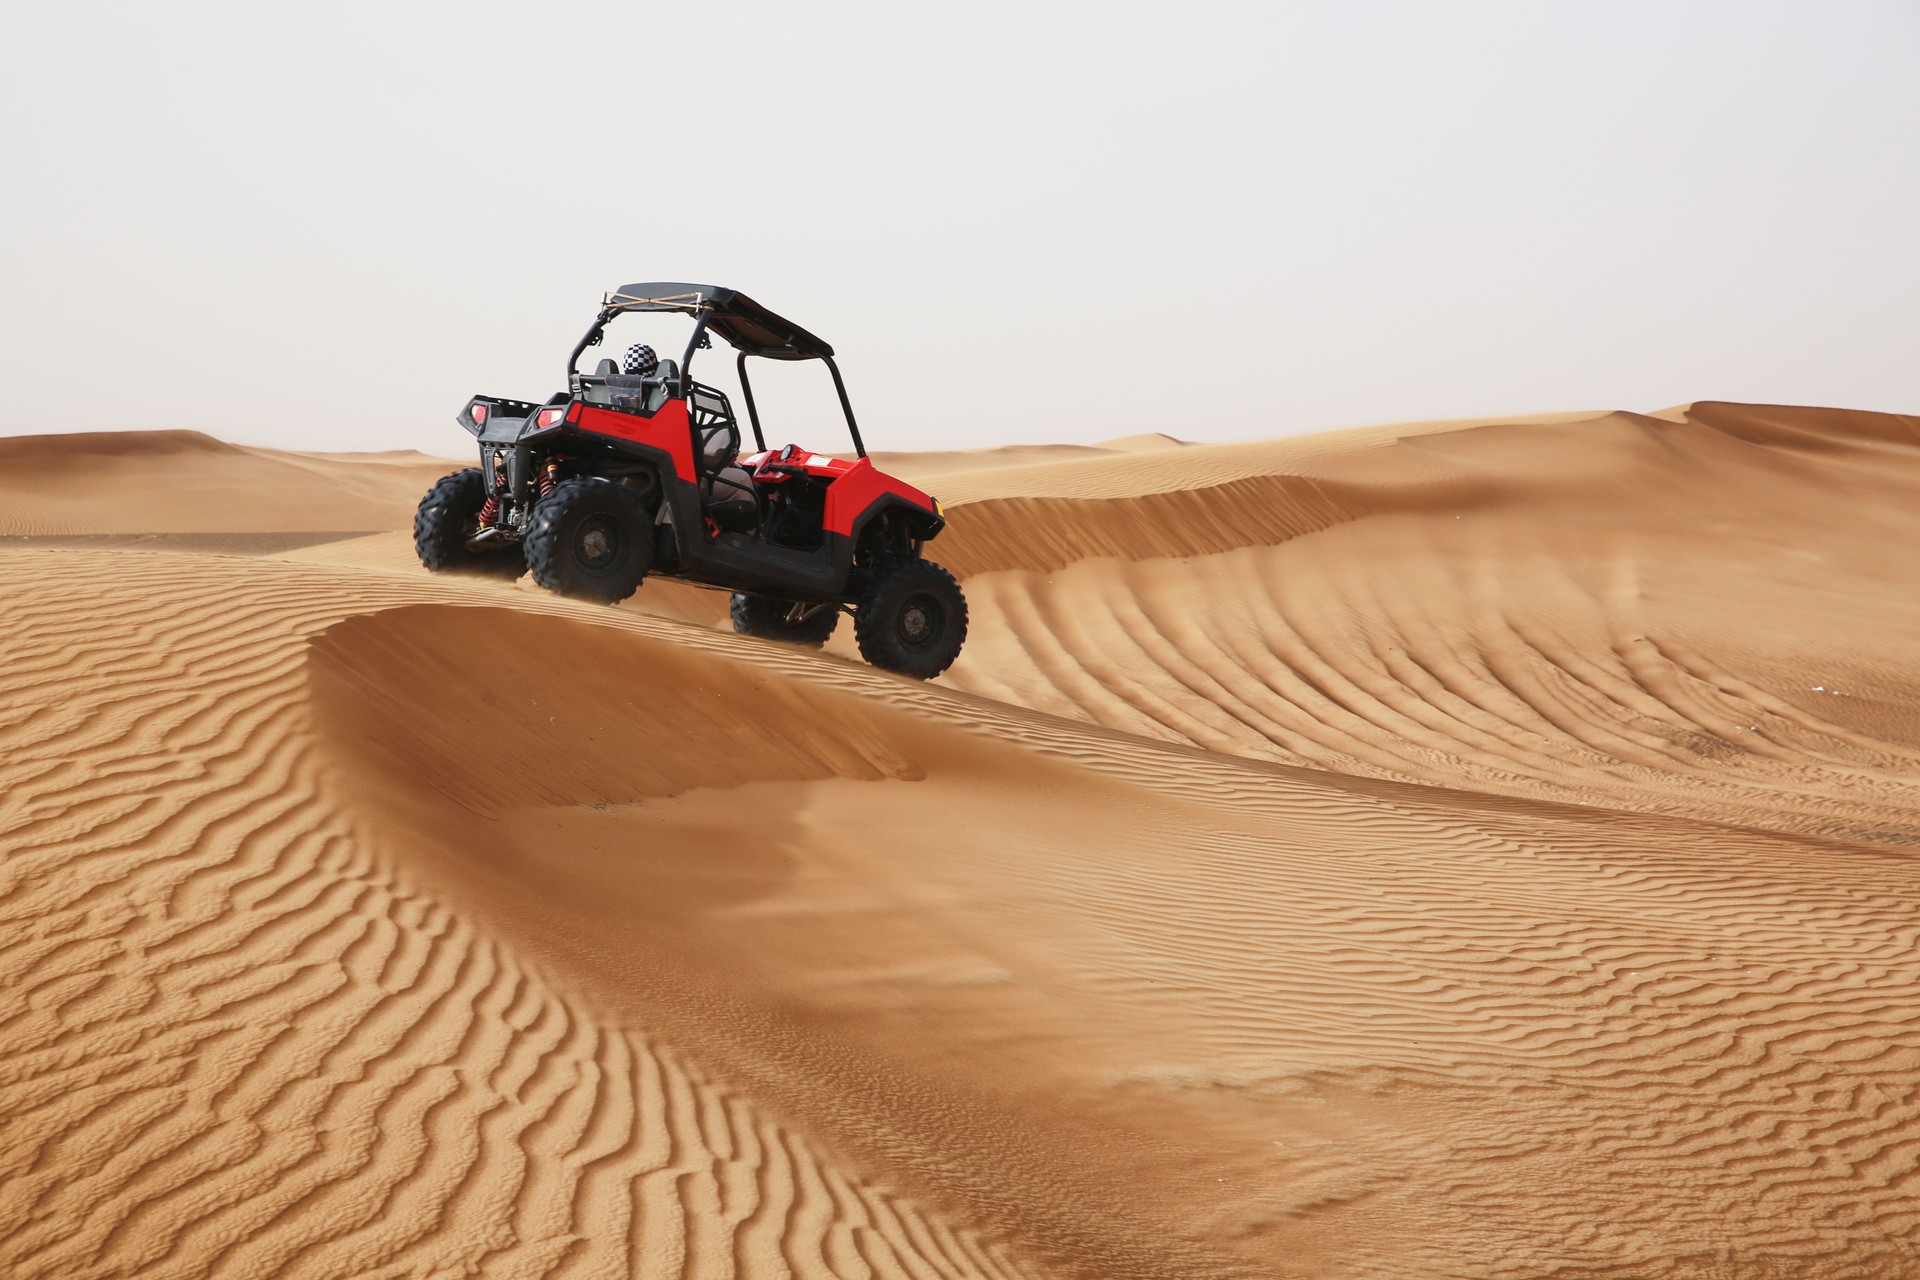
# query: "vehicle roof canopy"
[[743, 322]]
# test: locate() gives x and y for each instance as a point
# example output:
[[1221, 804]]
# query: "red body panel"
[[856, 485], [859, 486], [667, 429]]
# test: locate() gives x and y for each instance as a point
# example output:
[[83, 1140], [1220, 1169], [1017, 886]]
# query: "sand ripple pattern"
[[1151, 949], [1284, 1022], [239, 1044], [1578, 633]]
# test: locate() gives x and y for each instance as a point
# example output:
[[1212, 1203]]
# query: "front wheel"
[[773, 620], [448, 519], [590, 539], [912, 618]]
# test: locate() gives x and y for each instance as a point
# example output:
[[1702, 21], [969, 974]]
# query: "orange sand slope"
[[1465, 850], [173, 482]]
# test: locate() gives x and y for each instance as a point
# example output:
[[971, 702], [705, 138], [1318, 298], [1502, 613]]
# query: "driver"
[[640, 362]]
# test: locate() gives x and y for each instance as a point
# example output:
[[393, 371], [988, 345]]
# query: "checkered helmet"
[[640, 361]]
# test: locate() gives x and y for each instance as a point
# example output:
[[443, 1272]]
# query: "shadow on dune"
[[499, 709]]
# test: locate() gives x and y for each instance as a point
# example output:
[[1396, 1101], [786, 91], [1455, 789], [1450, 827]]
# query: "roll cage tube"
[[591, 338], [697, 341], [839, 386], [746, 390]]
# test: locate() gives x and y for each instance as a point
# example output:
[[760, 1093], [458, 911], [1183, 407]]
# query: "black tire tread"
[[544, 549], [873, 621], [440, 529]]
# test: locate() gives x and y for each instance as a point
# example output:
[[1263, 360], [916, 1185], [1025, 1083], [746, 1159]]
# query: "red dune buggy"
[[636, 469]]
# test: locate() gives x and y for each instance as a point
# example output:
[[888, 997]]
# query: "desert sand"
[[1458, 849]]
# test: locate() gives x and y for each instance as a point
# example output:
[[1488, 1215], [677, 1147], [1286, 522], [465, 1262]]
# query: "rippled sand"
[[1453, 850]]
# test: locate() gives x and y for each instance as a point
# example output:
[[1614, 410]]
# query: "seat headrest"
[[606, 369]]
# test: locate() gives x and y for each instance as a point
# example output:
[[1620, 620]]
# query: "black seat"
[[716, 447], [594, 389], [731, 501]]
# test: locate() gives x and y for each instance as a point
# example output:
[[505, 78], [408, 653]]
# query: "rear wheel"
[[590, 539], [760, 616], [448, 518], [912, 618]]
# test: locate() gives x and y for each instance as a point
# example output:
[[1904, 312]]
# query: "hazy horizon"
[[324, 229]]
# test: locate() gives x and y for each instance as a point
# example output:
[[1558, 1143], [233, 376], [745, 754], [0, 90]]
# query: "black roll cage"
[[699, 340]]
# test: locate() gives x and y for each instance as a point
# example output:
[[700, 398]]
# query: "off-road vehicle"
[[636, 469]]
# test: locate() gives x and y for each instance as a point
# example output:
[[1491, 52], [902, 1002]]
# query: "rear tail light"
[[479, 413], [549, 417]]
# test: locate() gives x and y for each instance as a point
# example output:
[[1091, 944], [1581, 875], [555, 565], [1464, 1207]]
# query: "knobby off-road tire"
[[912, 618], [759, 616], [448, 516], [590, 539]]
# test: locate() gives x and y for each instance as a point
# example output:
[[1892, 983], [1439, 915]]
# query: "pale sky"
[[325, 226]]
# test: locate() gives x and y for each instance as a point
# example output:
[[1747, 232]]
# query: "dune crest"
[[66, 450], [175, 482]]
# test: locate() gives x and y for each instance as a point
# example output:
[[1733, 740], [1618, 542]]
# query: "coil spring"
[[549, 477], [489, 511]]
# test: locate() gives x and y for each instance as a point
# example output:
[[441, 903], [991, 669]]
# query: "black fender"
[[921, 524]]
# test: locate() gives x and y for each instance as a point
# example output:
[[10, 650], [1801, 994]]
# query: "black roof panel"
[[743, 322]]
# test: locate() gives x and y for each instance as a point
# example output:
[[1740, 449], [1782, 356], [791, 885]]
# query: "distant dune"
[[89, 446], [170, 482], [1471, 849]]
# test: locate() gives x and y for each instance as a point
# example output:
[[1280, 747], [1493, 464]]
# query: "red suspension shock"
[[490, 509], [549, 476]]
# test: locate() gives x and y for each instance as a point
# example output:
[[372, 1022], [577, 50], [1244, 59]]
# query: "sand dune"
[[1697, 616], [169, 482], [1468, 850]]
